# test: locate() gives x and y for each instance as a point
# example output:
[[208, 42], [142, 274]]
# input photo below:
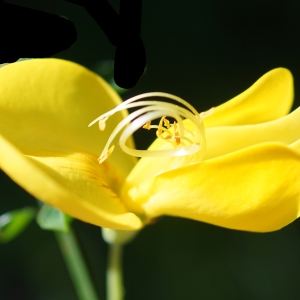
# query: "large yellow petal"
[[73, 184], [223, 140], [255, 189], [47, 104], [269, 98], [45, 108]]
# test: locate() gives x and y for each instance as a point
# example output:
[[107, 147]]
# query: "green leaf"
[[50, 218], [15, 222]]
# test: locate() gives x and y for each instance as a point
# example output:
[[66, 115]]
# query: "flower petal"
[[223, 140], [47, 104], [269, 98], [76, 188], [47, 147], [255, 189]]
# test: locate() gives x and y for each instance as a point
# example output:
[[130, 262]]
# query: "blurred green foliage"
[[15, 222], [50, 218]]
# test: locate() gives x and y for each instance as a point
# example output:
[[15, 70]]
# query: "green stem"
[[114, 278], [76, 265]]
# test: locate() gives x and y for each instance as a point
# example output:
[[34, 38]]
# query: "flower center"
[[181, 137]]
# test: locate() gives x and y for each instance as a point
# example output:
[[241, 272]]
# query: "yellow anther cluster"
[[165, 134], [184, 141]]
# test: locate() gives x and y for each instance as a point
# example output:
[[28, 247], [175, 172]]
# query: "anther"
[[147, 126], [102, 124], [103, 157], [207, 113], [184, 141], [176, 136], [166, 122]]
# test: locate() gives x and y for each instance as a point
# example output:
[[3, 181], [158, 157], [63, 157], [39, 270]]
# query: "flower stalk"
[[116, 239], [76, 265], [114, 274]]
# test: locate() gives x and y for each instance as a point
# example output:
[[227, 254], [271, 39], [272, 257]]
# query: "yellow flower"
[[248, 178]]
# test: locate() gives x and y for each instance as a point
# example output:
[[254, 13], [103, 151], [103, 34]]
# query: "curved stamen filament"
[[183, 140]]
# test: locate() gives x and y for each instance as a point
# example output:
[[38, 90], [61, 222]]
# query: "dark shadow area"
[[26, 32]]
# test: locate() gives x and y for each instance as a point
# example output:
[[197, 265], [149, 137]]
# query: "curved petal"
[[223, 140], [269, 98], [47, 104], [255, 189], [47, 147], [77, 188], [295, 146]]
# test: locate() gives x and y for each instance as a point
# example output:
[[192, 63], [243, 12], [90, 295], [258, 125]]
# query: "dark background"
[[205, 52]]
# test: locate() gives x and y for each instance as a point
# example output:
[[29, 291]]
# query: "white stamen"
[[184, 141]]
